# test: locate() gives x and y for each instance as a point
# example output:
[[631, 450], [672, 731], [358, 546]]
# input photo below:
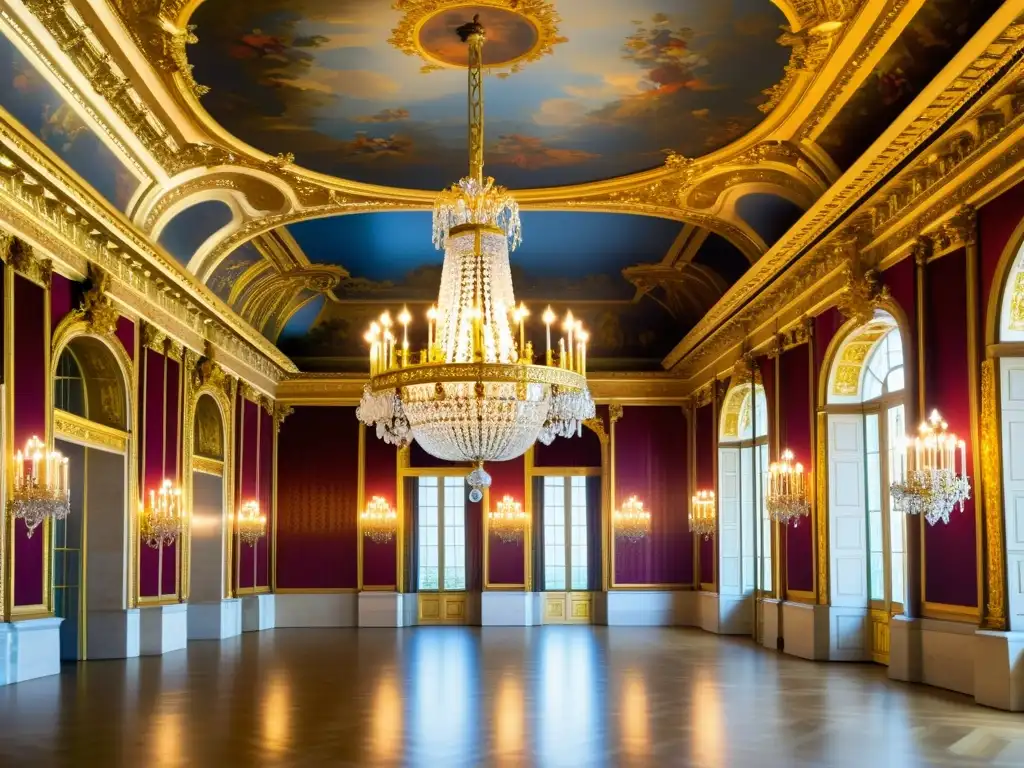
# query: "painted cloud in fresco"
[[632, 80]]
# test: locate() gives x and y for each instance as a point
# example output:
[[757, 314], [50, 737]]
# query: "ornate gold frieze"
[[281, 412], [759, 298], [863, 292], [66, 220], [78, 430], [810, 49], [992, 483]]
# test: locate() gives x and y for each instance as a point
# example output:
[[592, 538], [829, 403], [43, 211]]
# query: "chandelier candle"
[[379, 520], [508, 521], [632, 522], [702, 514], [475, 394]]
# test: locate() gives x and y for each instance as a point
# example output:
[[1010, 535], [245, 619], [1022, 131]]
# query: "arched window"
[[866, 422], [744, 530]]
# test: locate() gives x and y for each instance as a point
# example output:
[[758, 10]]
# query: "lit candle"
[[561, 352], [404, 319], [523, 314], [548, 318], [19, 477], [963, 458], [65, 486], [431, 318], [584, 337], [569, 326]]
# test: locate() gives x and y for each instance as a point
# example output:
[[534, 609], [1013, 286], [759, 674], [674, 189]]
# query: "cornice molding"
[[802, 273]]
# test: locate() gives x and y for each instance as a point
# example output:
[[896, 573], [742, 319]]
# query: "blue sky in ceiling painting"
[[571, 260], [563, 254], [769, 215], [186, 232], [33, 102]]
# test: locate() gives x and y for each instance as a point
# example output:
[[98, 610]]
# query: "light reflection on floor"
[[572, 696]]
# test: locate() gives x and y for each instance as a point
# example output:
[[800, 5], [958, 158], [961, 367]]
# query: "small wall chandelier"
[[161, 517], [251, 523], [508, 520], [787, 498], [928, 482], [40, 485], [702, 514], [631, 521], [379, 521]]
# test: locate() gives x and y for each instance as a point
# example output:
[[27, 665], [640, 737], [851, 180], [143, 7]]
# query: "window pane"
[[896, 431], [578, 535], [876, 542], [765, 530], [554, 533], [894, 382], [454, 522], [429, 552]]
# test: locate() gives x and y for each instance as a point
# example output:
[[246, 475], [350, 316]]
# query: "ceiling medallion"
[[475, 394], [521, 31]]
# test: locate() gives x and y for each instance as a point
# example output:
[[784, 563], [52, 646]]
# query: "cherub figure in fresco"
[[256, 44], [62, 122]]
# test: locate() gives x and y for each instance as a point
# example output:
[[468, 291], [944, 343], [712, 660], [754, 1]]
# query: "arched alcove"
[[866, 423], [744, 534], [92, 400]]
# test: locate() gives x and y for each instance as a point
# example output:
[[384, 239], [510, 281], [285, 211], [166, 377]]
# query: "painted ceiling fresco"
[[927, 44], [622, 83], [391, 264], [28, 97]]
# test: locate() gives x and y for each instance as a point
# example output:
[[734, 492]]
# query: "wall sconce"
[[40, 485], [786, 498], [379, 521], [927, 482], [631, 521], [251, 523], [703, 514], [508, 520]]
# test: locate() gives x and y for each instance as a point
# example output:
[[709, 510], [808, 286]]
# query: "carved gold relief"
[[992, 483], [85, 432]]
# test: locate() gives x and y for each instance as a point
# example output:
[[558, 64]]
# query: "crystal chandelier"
[[379, 521], [40, 485], [786, 498], [251, 523], [474, 394], [702, 514], [631, 521], [928, 483], [161, 517], [508, 521]]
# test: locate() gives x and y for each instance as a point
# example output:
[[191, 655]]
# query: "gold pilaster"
[[615, 412], [995, 604], [361, 505]]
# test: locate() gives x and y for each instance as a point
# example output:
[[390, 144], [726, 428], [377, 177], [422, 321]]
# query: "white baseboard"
[[508, 609], [769, 616], [329, 609], [215, 620], [259, 612], [805, 630], [29, 649], [114, 634], [381, 609], [999, 670], [652, 608], [163, 629]]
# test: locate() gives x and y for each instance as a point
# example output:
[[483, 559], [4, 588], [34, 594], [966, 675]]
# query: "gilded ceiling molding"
[[891, 17], [100, 68], [208, 375], [281, 412], [156, 340], [274, 296], [62, 216], [758, 298], [862, 292]]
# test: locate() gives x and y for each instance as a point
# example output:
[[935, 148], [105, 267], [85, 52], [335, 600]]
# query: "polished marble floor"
[[560, 696]]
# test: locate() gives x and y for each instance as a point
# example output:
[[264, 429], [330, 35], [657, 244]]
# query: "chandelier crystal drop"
[[508, 520], [161, 518], [252, 524], [41, 487], [787, 496], [631, 521], [379, 521], [474, 394], [927, 481], [703, 514]]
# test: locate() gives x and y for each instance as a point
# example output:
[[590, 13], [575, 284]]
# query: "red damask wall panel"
[[380, 561], [706, 445], [252, 448], [30, 381], [651, 463], [506, 560], [582, 451], [950, 568], [795, 403], [318, 475], [266, 494]]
